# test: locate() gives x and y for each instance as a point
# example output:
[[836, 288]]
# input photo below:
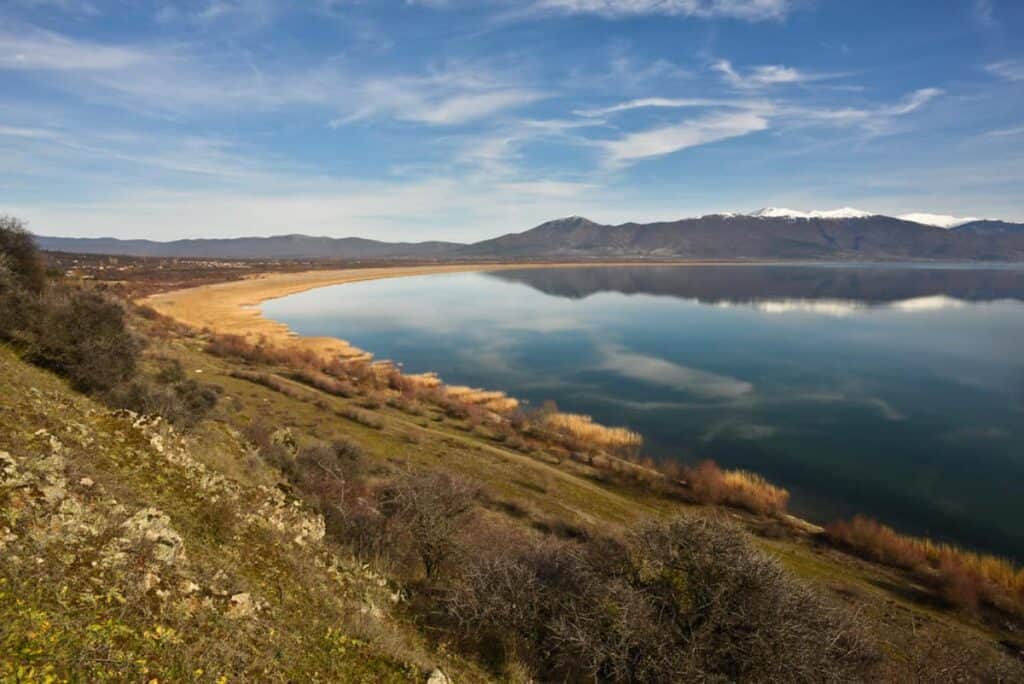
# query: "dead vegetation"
[[964, 578]]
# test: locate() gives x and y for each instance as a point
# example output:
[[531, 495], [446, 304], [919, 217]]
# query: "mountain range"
[[842, 234]]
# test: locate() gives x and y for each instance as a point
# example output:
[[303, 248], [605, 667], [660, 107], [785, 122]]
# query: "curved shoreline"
[[232, 308]]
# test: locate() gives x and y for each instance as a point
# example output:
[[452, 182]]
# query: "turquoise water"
[[896, 391]]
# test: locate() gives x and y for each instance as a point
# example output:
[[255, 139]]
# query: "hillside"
[[135, 548], [753, 237], [181, 505], [843, 235], [183, 556]]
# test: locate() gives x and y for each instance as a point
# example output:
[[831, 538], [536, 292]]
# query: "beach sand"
[[232, 308]]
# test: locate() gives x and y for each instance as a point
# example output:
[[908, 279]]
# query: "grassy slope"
[[65, 612], [82, 595]]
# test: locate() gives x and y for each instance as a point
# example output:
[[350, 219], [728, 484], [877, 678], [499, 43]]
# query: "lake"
[[891, 390]]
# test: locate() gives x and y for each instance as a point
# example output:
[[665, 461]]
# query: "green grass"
[[324, 617]]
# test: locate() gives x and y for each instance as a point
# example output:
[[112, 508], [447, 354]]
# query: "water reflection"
[[888, 390], [924, 286]]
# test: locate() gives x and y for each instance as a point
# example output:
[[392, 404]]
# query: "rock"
[[153, 526], [241, 606], [438, 677], [150, 580]]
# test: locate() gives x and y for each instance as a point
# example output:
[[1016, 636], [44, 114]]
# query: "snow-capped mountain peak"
[[780, 212], [939, 220]]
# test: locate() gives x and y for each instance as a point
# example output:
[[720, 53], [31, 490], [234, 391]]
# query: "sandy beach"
[[232, 308]]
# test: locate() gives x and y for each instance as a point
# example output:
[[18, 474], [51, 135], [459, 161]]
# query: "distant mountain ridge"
[[275, 247], [773, 233]]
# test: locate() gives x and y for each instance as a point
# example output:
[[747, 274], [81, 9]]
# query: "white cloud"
[[46, 51], [665, 140], [750, 10], [469, 107], [1010, 69], [454, 94], [984, 12], [913, 101], [666, 103], [80, 7], [1006, 132], [765, 75]]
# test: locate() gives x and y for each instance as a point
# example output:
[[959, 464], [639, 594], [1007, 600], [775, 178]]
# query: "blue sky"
[[460, 119]]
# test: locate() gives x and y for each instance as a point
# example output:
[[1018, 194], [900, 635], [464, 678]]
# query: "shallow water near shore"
[[891, 390]]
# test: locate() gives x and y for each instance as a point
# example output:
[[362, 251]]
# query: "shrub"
[[961, 577], [688, 599], [14, 302], [82, 335], [22, 256], [739, 488], [170, 394], [362, 417], [424, 511]]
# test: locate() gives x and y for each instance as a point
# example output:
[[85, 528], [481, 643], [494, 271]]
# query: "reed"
[[963, 577], [584, 429], [711, 484]]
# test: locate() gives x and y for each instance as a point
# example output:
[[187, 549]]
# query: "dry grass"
[[963, 577], [711, 484], [584, 429], [498, 402]]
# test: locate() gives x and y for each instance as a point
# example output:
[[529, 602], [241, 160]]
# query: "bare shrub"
[[425, 511], [687, 599]]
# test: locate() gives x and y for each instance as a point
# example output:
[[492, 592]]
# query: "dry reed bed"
[[584, 428], [963, 577]]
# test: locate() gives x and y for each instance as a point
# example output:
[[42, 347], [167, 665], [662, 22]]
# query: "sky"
[[466, 119]]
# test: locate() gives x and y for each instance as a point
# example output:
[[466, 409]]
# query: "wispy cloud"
[[983, 12], [38, 50], [766, 75], [913, 101], [445, 99], [666, 103], [1010, 69], [691, 133], [1006, 132], [75, 7], [750, 10]]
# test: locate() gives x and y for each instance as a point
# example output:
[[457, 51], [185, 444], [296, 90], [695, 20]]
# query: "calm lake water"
[[896, 391]]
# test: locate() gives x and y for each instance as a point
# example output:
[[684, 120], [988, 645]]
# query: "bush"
[[711, 484], [14, 302], [425, 511], [22, 256], [687, 599], [961, 577], [82, 335], [170, 394]]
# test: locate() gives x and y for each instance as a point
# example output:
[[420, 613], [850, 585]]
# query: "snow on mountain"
[[780, 212], [939, 220]]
